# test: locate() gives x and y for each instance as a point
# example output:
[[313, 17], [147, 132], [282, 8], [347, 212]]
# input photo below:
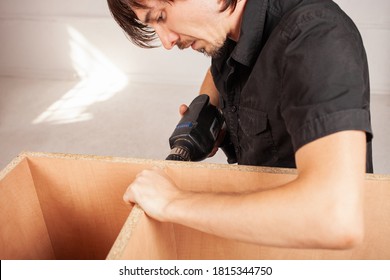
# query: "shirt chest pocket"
[[257, 146], [252, 122]]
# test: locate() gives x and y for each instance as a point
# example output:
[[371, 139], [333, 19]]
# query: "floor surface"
[[115, 119]]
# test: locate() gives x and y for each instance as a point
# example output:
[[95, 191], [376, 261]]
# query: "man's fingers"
[[142, 179], [213, 152], [182, 109], [128, 196]]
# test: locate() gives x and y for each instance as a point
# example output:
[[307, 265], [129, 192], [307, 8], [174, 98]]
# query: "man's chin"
[[215, 52]]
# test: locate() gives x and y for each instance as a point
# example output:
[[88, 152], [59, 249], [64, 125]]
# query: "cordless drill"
[[197, 132]]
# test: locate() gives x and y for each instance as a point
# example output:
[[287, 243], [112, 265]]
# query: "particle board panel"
[[23, 229], [56, 206], [82, 204], [160, 241]]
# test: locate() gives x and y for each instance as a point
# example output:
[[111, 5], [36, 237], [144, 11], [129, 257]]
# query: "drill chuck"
[[179, 154]]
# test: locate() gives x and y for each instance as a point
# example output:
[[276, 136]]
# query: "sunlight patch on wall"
[[99, 81]]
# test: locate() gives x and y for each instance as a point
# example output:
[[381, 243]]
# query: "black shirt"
[[298, 72]]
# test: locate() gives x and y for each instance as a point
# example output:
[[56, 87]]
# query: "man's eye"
[[160, 18]]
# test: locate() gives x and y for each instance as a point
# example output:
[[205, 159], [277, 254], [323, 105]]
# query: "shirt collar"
[[251, 33]]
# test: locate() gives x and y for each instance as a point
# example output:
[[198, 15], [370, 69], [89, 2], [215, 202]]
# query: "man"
[[291, 79]]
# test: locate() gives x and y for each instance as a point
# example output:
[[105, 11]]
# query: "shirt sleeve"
[[325, 78]]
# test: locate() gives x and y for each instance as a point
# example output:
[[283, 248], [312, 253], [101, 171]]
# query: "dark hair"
[[140, 34]]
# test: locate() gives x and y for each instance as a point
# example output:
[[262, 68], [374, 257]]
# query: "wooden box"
[[56, 206]]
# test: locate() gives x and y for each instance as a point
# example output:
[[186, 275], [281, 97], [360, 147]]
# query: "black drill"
[[197, 132]]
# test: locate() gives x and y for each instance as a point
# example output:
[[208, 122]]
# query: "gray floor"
[[134, 120]]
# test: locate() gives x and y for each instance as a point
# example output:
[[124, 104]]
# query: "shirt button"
[[234, 109]]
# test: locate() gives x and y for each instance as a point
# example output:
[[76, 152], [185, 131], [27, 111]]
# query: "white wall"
[[46, 38], [66, 39]]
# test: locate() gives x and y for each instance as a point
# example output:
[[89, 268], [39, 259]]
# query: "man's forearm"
[[322, 208], [284, 217]]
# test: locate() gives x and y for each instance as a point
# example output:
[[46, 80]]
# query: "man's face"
[[198, 24]]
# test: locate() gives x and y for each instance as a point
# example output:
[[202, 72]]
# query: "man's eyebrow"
[[148, 16]]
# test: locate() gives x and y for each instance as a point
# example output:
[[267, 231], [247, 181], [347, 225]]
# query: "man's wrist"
[[175, 211]]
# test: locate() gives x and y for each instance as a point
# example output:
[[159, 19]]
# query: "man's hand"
[[153, 190]]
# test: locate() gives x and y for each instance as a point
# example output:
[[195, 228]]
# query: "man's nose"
[[167, 37]]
